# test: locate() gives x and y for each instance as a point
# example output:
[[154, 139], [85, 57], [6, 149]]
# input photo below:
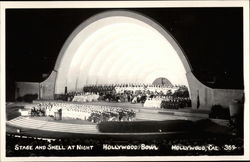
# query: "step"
[[188, 114]]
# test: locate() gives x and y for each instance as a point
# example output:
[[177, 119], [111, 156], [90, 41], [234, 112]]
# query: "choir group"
[[168, 97]]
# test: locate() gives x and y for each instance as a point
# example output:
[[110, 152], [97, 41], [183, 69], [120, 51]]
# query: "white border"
[[128, 4]]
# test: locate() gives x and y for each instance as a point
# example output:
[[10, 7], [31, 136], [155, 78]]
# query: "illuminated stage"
[[29, 125]]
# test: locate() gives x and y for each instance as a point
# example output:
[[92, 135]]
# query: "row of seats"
[[83, 112]]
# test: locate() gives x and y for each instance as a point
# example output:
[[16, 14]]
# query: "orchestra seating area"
[[93, 113]]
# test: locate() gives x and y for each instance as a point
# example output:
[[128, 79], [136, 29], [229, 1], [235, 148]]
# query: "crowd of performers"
[[165, 97], [170, 97], [93, 113], [175, 103]]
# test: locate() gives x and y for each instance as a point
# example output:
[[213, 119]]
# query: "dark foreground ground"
[[171, 144], [159, 138]]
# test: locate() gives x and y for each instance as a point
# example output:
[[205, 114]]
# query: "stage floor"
[[47, 125]]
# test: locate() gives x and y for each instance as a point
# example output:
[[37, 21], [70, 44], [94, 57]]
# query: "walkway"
[[31, 123]]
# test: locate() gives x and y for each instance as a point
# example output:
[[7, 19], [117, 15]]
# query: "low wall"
[[224, 97], [25, 88], [204, 97]]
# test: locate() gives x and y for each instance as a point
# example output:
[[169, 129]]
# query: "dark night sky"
[[212, 39]]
